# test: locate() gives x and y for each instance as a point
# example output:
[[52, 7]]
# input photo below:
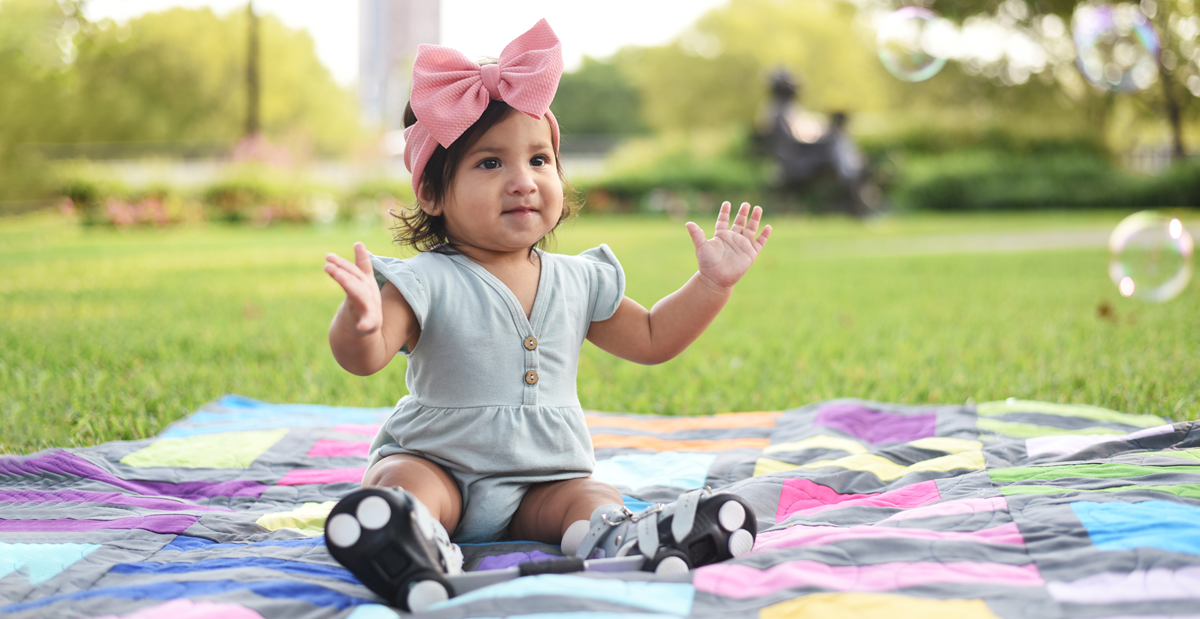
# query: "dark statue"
[[805, 152]]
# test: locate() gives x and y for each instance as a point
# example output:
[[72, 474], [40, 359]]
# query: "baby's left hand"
[[726, 257]]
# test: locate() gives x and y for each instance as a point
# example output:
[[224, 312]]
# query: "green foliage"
[[693, 168], [701, 160], [87, 197], [597, 98], [715, 74], [174, 77], [371, 203], [993, 180], [113, 334], [250, 193], [1178, 186], [179, 75]]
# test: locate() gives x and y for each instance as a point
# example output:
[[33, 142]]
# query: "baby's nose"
[[522, 183]]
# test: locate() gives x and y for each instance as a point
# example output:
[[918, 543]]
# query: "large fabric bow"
[[450, 92]]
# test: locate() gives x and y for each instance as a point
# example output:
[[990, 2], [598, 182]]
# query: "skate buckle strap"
[[598, 530], [685, 514], [621, 516], [646, 513], [647, 531]]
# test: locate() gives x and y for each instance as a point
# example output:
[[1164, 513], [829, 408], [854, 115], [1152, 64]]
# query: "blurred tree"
[[1013, 85], [1178, 27], [37, 47], [174, 76], [1034, 44], [252, 70], [597, 98], [716, 72], [180, 75]]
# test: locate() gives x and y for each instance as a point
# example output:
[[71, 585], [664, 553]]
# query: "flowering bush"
[[249, 197]]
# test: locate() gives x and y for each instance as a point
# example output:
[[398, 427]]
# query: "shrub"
[[1178, 186], [678, 173], [368, 203], [259, 196], [989, 180]]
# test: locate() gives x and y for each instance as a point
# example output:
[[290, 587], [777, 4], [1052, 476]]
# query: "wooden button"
[[531, 377], [530, 343]]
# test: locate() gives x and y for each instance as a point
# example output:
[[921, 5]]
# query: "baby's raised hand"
[[726, 257], [362, 292]]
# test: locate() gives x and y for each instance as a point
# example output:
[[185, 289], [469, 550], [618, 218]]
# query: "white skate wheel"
[[731, 516], [740, 542], [671, 566], [426, 593], [342, 530], [374, 512]]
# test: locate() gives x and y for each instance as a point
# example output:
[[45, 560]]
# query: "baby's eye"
[[539, 160], [491, 163]]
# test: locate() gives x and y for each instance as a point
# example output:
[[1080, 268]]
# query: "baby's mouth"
[[521, 210]]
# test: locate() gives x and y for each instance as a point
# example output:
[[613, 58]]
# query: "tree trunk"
[[252, 90], [1173, 112]]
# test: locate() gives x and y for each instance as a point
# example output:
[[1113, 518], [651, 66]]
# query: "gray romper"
[[492, 393]]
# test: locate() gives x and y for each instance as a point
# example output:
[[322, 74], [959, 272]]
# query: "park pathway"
[[960, 243]]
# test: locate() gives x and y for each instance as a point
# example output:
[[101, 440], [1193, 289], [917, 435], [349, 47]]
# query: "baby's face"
[[507, 194]]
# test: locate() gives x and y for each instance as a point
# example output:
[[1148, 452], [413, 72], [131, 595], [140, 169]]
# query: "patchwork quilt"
[[1002, 509]]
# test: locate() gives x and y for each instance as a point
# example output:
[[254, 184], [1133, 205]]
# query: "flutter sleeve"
[[405, 279], [607, 281]]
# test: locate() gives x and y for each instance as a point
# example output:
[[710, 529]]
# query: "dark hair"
[[424, 232]]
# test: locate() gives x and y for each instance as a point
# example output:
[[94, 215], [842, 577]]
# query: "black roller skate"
[[391, 542], [700, 528]]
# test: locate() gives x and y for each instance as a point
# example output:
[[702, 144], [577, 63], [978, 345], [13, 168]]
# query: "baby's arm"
[[679, 318], [371, 324]]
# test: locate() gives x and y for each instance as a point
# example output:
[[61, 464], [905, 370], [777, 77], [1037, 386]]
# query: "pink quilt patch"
[[802, 535], [744, 581], [802, 496], [326, 448], [191, 609], [300, 477]]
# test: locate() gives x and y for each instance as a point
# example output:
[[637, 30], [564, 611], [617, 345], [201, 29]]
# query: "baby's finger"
[[762, 239], [722, 217], [362, 258], [346, 279], [739, 223], [697, 233], [752, 225], [342, 263]]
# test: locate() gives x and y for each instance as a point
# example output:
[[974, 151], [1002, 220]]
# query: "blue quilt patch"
[[41, 562], [1156, 524], [671, 598], [184, 543], [671, 469], [275, 589]]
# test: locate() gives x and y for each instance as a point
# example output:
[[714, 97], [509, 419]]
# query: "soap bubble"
[[1116, 47], [1151, 256], [914, 43]]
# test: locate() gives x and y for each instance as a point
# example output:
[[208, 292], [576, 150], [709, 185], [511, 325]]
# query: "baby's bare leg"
[[549, 508], [425, 479]]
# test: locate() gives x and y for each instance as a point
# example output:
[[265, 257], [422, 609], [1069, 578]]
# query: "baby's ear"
[[426, 202]]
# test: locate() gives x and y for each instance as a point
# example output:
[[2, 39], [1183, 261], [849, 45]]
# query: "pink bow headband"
[[450, 92]]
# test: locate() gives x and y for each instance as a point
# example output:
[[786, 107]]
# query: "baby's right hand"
[[362, 292]]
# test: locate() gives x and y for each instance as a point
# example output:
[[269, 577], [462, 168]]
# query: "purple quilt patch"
[[877, 427], [155, 523], [499, 562], [60, 463]]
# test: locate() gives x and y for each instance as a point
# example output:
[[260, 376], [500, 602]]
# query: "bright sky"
[[477, 27]]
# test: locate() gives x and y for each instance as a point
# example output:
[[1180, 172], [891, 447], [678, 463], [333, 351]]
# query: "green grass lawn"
[[108, 334]]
